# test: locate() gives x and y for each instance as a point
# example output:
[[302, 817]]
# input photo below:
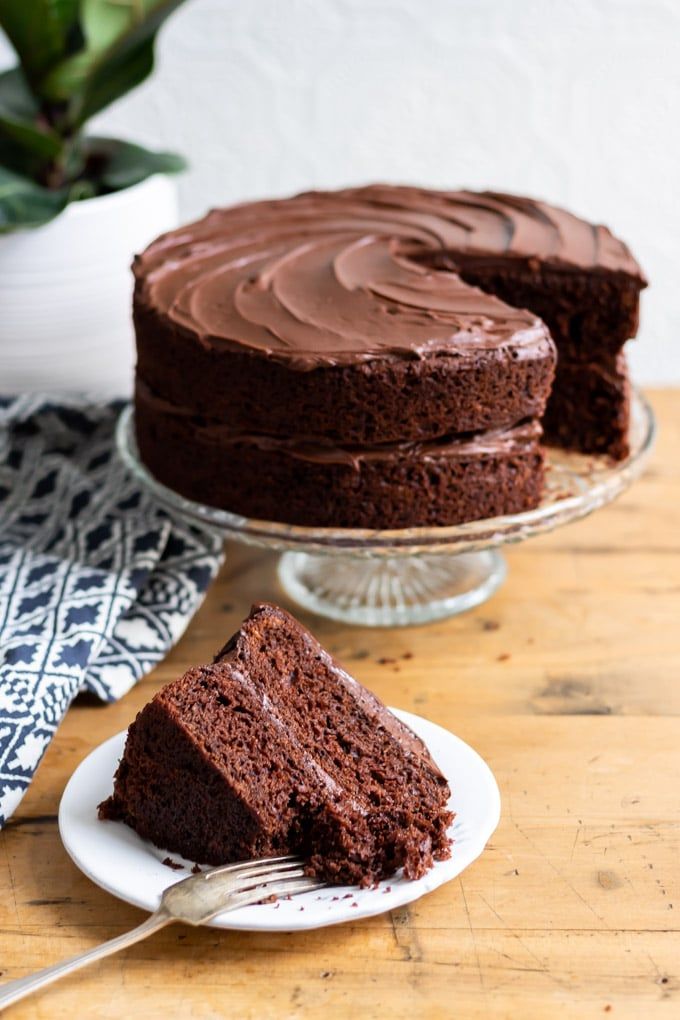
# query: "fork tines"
[[200, 897]]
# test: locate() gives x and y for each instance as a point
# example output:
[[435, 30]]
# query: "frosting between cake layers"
[[490, 442], [329, 278]]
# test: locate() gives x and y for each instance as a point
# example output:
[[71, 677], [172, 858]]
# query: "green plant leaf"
[[42, 32], [120, 74], [25, 204], [77, 56], [117, 56], [119, 164], [21, 120]]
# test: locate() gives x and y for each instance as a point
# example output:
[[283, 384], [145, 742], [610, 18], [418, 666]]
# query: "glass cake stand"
[[415, 575]]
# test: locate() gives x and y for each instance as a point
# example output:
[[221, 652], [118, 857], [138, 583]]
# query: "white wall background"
[[577, 103]]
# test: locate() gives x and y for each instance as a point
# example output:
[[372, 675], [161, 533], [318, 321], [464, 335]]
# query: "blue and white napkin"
[[96, 581]]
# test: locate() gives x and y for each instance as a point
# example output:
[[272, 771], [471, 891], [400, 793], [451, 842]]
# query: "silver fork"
[[194, 900]]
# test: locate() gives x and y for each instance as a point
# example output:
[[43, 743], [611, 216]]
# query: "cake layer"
[[320, 280], [276, 749], [589, 407], [310, 315], [280, 321], [383, 400], [298, 481]]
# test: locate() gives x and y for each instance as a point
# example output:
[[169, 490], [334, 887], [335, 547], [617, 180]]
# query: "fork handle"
[[12, 991]]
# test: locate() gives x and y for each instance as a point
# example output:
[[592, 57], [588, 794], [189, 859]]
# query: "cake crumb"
[[387, 889], [197, 870], [169, 863], [385, 660], [503, 657]]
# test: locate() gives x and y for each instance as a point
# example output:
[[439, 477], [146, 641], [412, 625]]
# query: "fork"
[[194, 900]]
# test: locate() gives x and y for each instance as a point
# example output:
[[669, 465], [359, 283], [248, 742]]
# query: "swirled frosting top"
[[342, 277]]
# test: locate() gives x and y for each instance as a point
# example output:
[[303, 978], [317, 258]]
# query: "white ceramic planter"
[[66, 292]]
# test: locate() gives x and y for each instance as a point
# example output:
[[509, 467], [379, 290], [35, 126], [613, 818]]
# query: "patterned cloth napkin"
[[96, 581]]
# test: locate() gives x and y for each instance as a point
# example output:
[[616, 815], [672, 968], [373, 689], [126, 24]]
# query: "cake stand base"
[[391, 591]]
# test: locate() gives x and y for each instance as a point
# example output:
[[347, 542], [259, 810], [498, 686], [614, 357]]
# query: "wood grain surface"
[[567, 682]]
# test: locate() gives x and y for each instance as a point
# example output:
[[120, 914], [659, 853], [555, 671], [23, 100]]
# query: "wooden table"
[[567, 682]]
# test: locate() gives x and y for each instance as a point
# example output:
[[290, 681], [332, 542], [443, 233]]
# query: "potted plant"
[[74, 208]]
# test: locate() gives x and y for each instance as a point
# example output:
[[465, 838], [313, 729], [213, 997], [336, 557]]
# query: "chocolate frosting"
[[490, 442], [336, 278]]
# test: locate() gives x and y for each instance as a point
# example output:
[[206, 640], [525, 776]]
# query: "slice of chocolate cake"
[[275, 749]]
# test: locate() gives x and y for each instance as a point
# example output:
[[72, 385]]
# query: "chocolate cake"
[[364, 358], [275, 749]]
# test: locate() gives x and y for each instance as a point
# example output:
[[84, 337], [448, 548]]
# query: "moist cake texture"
[[274, 749], [356, 341]]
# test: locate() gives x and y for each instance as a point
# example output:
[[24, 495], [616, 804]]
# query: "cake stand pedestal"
[[415, 575]]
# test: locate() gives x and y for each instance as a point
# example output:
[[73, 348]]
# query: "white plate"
[[115, 857]]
